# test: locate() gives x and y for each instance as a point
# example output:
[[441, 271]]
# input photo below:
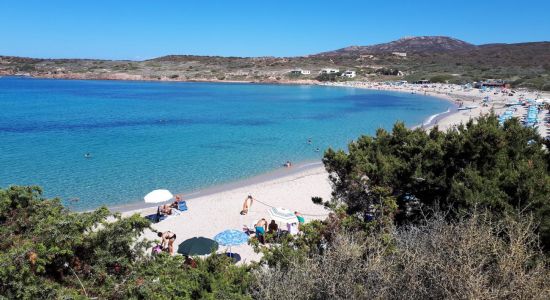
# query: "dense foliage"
[[48, 252], [480, 164]]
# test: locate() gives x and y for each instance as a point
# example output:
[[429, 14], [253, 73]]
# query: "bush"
[[474, 258], [480, 164], [441, 78], [48, 252]]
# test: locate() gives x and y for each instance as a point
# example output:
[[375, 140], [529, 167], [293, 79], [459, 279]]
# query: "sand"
[[211, 214], [214, 211], [456, 94]]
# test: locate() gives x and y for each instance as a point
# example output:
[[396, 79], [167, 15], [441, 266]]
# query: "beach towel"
[[157, 249], [153, 218]]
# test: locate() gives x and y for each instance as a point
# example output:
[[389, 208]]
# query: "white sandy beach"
[[456, 94], [210, 214]]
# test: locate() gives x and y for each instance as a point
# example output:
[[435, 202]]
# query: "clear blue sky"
[[137, 29]]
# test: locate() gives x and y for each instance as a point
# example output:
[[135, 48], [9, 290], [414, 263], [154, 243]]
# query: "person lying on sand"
[[247, 204], [165, 209], [168, 237]]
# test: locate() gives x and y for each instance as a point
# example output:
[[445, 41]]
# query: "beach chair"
[[182, 206]]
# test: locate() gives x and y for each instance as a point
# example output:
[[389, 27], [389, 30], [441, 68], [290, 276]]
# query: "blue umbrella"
[[231, 237]]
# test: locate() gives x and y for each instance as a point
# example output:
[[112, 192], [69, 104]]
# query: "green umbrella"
[[197, 246]]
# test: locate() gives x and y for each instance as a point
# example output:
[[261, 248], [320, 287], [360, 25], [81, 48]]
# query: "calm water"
[[180, 136]]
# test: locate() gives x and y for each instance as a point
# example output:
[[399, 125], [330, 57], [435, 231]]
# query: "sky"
[[143, 29]]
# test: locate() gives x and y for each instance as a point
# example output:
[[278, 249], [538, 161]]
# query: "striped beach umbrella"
[[284, 215]]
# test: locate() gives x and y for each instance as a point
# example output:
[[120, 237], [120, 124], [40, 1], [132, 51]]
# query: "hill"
[[436, 58], [421, 44]]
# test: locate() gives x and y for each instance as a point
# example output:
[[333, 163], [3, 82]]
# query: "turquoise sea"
[[180, 136]]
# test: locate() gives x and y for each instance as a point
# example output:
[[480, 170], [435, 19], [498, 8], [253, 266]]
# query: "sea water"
[[142, 136]]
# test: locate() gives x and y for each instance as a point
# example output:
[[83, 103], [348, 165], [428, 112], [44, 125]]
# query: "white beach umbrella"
[[157, 196], [282, 215]]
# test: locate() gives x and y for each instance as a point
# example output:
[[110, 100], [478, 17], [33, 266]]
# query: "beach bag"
[[157, 249]]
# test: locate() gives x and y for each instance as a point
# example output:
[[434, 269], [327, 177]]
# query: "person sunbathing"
[[247, 204], [165, 210], [176, 202]]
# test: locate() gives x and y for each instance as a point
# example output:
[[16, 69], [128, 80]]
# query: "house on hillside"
[[423, 81], [492, 83], [300, 72], [329, 71], [400, 54], [349, 74]]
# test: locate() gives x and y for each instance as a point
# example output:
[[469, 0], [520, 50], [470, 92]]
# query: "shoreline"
[[279, 173], [443, 120], [299, 166], [138, 78], [214, 209]]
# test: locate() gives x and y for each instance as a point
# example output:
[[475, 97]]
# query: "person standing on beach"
[[300, 218], [273, 227], [168, 237], [261, 228], [247, 204]]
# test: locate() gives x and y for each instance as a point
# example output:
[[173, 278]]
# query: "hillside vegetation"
[[438, 58]]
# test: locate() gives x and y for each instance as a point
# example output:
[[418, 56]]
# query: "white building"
[[300, 72], [349, 74], [329, 71], [400, 54]]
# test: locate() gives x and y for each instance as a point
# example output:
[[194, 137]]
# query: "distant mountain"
[[437, 58], [419, 44]]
